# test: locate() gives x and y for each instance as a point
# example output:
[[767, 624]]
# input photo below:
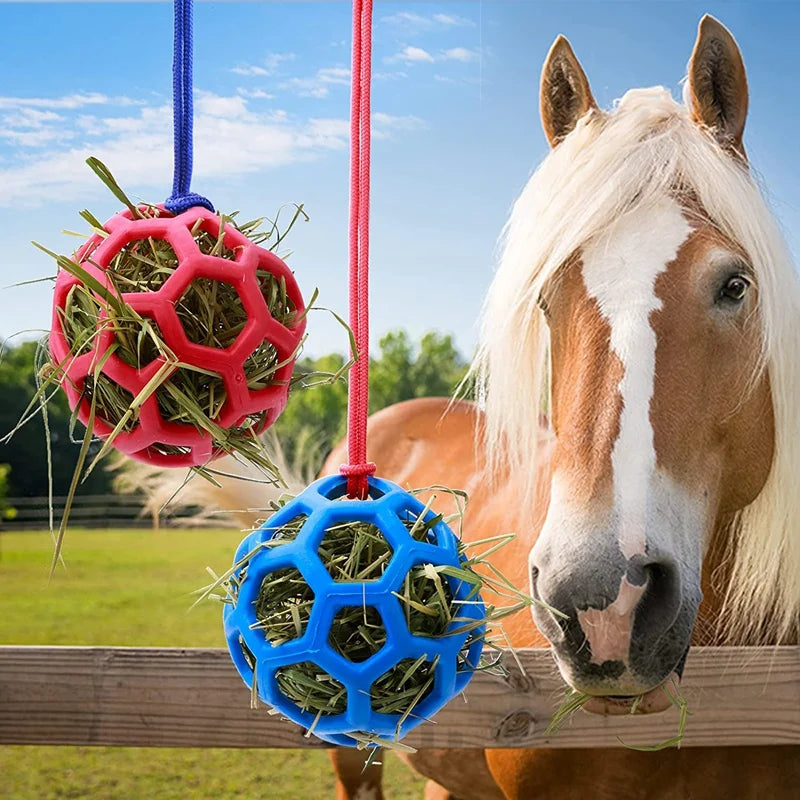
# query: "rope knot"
[[177, 204], [357, 474]]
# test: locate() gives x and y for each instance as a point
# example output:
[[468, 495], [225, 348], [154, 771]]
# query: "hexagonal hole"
[[280, 305], [187, 390], [211, 313], [80, 319], [283, 606], [463, 661], [143, 265], [339, 492], [427, 600], [161, 449], [400, 689], [140, 342], [312, 689], [357, 633], [260, 366], [111, 401], [211, 244], [355, 551]]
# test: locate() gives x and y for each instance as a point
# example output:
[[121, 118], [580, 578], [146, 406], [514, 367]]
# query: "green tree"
[[401, 371], [6, 511], [25, 452], [317, 413]]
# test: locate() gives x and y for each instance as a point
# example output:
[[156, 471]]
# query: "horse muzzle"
[[619, 628]]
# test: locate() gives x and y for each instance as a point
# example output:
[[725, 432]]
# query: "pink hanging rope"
[[358, 468]]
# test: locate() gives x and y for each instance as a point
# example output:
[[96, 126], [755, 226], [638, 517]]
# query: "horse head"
[[645, 293]]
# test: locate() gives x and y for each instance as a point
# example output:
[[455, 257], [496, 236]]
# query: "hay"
[[357, 551], [574, 700], [210, 312]]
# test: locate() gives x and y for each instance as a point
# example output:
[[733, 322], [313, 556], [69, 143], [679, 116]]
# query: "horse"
[[646, 296], [646, 301]]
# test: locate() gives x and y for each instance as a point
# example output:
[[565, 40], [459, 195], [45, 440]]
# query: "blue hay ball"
[[325, 506]]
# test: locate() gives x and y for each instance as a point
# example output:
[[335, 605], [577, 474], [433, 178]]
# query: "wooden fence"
[[98, 511], [88, 511], [194, 698]]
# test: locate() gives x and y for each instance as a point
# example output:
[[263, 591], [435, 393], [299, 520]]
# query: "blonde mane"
[[611, 164]]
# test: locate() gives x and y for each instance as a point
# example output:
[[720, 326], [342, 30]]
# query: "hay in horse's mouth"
[[653, 702]]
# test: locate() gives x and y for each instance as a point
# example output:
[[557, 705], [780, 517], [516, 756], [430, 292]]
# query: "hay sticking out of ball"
[[356, 551], [211, 314]]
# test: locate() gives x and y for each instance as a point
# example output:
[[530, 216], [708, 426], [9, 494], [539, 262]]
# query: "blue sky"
[[455, 119]]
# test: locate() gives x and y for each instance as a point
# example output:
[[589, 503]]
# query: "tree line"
[[401, 370]]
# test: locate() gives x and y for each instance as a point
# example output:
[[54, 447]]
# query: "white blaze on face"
[[620, 270]]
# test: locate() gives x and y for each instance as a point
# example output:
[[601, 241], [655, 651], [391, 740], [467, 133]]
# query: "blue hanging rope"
[[182, 198]]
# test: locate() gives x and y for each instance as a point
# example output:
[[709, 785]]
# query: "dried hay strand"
[[356, 551], [210, 312]]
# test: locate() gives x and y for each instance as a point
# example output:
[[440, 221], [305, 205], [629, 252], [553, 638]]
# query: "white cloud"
[[460, 54], [231, 139], [452, 20], [68, 102], [384, 125], [32, 138], [47, 140], [416, 55], [256, 94], [395, 75], [268, 66], [412, 55], [318, 85], [30, 127], [334, 75], [252, 71], [217, 106], [409, 19], [334, 133]]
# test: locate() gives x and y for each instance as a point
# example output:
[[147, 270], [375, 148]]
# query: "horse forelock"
[[613, 167]]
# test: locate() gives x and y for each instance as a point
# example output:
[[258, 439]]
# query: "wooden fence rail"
[[194, 698]]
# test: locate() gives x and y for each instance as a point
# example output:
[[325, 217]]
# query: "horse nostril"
[[658, 577], [661, 601], [656, 571]]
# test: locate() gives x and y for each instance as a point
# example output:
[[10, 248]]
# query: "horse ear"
[[564, 94], [718, 84]]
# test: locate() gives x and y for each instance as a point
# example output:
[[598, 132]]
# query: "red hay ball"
[[186, 445]]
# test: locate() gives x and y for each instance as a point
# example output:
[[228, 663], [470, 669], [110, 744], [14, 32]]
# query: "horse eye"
[[735, 289]]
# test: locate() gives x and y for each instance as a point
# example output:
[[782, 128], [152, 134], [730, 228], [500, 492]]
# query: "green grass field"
[[133, 588]]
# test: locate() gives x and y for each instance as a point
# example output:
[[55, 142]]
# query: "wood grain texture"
[[194, 698]]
